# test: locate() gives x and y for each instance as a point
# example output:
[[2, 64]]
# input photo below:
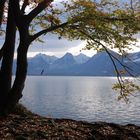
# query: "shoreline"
[[25, 125]]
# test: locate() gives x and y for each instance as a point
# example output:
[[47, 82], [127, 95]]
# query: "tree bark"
[[7, 61], [16, 91], [9, 97]]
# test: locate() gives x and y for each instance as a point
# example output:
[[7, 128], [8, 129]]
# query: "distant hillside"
[[81, 58], [98, 65], [63, 65], [39, 63], [101, 65]]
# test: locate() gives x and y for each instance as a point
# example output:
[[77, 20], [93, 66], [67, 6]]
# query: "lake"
[[81, 98]]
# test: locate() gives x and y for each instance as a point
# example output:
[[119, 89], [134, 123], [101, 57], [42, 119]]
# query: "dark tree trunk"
[[21, 71], [16, 91], [9, 97], [7, 61]]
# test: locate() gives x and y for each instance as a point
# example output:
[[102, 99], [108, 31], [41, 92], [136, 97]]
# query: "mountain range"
[[81, 65]]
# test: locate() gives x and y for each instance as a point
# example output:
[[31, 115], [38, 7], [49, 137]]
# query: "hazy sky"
[[54, 46]]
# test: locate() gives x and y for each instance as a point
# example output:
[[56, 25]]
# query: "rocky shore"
[[24, 125]]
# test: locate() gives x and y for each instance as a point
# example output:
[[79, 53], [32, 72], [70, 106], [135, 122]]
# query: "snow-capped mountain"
[[135, 57], [43, 57], [101, 65], [65, 61], [62, 65], [39, 63], [133, 62], [98, 65], [81, 58]]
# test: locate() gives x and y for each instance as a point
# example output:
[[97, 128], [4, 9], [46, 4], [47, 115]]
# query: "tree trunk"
[[9, 97], [7, 61], [21, 72]]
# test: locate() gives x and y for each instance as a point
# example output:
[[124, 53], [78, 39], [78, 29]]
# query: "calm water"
[[80, 98]]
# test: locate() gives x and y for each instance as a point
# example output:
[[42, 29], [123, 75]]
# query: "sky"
[[54, 46], [58, 47]]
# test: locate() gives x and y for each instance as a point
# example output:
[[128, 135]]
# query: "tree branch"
[[16, 7], [41, 6], [131, 6], [2, 2], [119, 76], [26, 2], [112, 57], [115, 19], [52, 28], [16, 11], [1, 52]]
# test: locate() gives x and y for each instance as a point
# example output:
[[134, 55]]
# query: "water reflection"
[[81, 98]]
